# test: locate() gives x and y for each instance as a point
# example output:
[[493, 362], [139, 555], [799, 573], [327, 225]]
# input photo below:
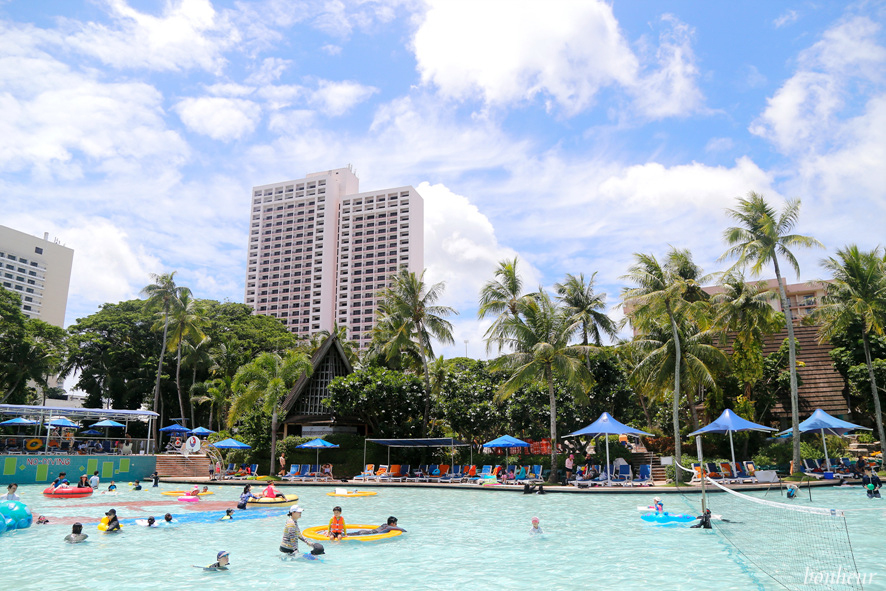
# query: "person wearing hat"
[[113, 523], [658, 505], [222, 561], [292, 534], [535, 528]]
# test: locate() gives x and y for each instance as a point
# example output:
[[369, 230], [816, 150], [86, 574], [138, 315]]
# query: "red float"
[[67, 492]]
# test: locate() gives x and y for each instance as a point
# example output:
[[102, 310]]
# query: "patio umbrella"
[[19, 421], [821, 421], [729, 422], [317, 444], [174, 429], [107, 423], [201, 431], [230, 444], [61, 422], [507, 442], [90, 432], [606, 425]]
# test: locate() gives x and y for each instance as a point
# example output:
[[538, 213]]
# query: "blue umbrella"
[[201, 431], [19, 421], [606, 425], [507, 442], [61, 422], [174, 429], [317, 444], [90, 432], [230, 444], [821, 421], [728, 422], [107, 423]]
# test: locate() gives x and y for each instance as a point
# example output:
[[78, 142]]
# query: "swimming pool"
[[456, 539]]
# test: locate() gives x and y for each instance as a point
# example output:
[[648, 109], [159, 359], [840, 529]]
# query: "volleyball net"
[[796, 546]]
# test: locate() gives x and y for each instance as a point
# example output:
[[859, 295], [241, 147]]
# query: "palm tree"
[[761, 236], [539, 336], [743, 310], [265, 382], [160, 293], [856, 295], [216, 392], [671, 291], [196, 356], [187, 319], [580, 300], [410, 318], [501, 297]]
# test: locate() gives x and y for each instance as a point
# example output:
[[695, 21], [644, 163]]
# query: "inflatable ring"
[[103, 525], [266, 502], [316, 533], [69, 492], [667, 518], [189, 499], [356, 493], [34, 444], [180, 493], [178, 441]]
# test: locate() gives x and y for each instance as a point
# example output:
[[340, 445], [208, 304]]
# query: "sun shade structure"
[[107, 423], [729, 422], [230, 444], [825, 424], [61, 422], [19, 421], [90, 432], [425, 442], [201, 432], [317, 444], [606, 425], [506, 442], [174, 429], [78, 414]]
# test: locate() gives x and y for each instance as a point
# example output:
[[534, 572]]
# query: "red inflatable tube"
[[67, 492]]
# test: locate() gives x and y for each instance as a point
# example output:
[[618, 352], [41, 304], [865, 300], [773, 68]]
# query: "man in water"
[[391, 525], [60, 480], [705, 520], [94, 480], [76, 536]]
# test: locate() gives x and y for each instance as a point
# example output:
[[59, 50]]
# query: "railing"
[[32, 444]]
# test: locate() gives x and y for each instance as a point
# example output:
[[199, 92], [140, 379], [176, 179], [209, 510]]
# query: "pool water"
[[472, 539]]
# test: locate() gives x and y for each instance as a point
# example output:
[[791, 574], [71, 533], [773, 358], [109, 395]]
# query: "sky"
[[569, 134]]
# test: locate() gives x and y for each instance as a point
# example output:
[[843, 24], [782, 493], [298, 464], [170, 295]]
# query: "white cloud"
[[330, 49], [270, 70], [719, 144], [219, 118], [189, 34], [510, 51], [337, 98], [787, 18]]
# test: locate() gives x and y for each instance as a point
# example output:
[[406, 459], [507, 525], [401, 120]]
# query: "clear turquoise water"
[[456, 539]]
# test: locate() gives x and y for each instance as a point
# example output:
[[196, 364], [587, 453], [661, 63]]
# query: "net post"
[[701, 469]]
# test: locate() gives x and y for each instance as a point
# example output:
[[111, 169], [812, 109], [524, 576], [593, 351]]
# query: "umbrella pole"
[[732, 449], [364, 457], [825, 444], [608, 465], [701, 469]]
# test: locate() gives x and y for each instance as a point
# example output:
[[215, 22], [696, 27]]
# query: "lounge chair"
[[303, 474], [402, 473], [741, 475], [457, 474], [367, 473], [713, 471], [382, 472], [644, 475], [812, 468], [420, 475], [484, 473], [394, 469], [623, 476], [293, 472], [441, 472]]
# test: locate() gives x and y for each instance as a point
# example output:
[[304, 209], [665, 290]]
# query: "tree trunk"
[[555, 468], [645, 411], [178, 386], [424, 362], [678, 449], [878, 413], [273, 440], [792, 360], [191, 402], [159, 373], [693, 412]]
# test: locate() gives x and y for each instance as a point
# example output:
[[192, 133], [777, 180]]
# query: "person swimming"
[[391, 525], [222, 561], [535, 530], [792, 491], [137, 485], [76, 536], [168, 518], [658, 505], [229, 514], [704, 520]]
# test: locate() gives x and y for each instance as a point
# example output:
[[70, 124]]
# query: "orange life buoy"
[[178, 441], [34, 444]]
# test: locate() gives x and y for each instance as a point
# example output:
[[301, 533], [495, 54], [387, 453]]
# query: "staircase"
[[179, 466], [658, 471]]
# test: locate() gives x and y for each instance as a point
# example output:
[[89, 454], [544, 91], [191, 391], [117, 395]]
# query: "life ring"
[[265, 502], [178, 442], [316, 533], [180, 493], [67, 492], [34, 444], [356, 493]]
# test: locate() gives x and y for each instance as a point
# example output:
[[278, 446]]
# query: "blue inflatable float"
[[667, 518], [14, 515]]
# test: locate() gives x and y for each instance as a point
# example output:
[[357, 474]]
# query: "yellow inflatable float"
[[268, 502], [103, 525], [317, 533], [341, 492]]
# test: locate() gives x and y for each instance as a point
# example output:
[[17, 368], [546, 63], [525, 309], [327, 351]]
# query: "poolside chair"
[[293, 472], [750, 468], [623, 476], [456, 475], [420, 475], [441, 471], [393, 472], [713, 471], [644, 476], [741, 475], [382, 472], [367, 473], [485, 472], [812, 468], [303, 474]]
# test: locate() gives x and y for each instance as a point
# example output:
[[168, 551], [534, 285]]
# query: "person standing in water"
[[292, 534], [76, 536], [535, 530]]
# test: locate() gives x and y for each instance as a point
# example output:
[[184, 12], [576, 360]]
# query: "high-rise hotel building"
[[39, 271], [320, 251]]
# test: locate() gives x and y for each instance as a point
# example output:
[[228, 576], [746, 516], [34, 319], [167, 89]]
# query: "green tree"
[[668, 293], [501, 297], [186, 319], [410, 313], [856, 295], [217, 392], [587, 306], [539, 338], [265, 382], [761, 236], [161, 294]]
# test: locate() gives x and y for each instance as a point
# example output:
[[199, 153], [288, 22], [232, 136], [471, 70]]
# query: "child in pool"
[[229, 514], [337, 528], [76, 536], [658, 505], [221, 562], [111, 488], [535, 528]]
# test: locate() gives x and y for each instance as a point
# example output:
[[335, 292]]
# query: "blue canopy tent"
[[201, 432], [823, 422], [230, 444], [317, 444], [606, 425], [729, 422], [507, 442]]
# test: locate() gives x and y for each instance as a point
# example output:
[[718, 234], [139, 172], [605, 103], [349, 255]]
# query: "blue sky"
[[570, 134]]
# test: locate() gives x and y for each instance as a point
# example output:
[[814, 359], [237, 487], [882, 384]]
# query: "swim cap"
[[220, 554], [535, 520]]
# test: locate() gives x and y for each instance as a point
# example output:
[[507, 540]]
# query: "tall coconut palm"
[[500, 297], [409, 312], [265, 382], [856, 295], [196, 356], [186, 319], [763, 235], [671, 291], [160, 293], [216, 392], [580, 299], [539, 338]]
